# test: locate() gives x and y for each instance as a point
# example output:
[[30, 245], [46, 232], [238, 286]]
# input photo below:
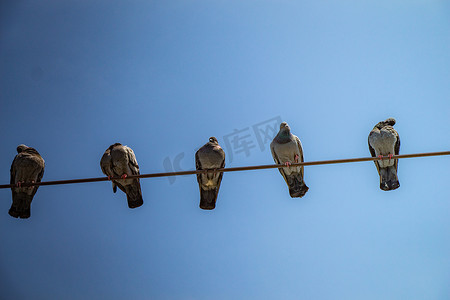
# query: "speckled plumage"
[[117, 161], [384, 140], [209, 156], [285, 146], [28, 166]]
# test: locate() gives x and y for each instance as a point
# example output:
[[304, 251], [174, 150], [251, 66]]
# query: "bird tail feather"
[[297, 187], [208, 199], [134, 195], [388, 179], [20, 208]]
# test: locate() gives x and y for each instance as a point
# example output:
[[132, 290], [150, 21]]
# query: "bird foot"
[[109, 177], [19, 183], [390, 157], [380, 157], [30, 187], [296, 158], [124, 176], [287, 164]]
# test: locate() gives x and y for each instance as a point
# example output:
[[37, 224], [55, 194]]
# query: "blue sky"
[[162, 77]]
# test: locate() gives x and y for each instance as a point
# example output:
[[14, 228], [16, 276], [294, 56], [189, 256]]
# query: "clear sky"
[[164, 76]]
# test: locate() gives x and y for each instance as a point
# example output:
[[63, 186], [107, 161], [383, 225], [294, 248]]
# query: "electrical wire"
[[235, 169]]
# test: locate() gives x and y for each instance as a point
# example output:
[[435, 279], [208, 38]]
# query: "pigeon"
[[27, 167], [287, 148], [210, 156], [120, 161], [384, 140]]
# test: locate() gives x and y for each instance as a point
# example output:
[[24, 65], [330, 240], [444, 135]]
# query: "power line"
[[235, 169]]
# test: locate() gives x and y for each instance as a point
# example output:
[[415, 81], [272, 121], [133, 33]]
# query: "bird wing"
[[107, 167], [222, 165], [300, 149], [40, 174], [132, 162], [396, 149], [198, 166], [277, 160], [106, 164], [372, 152], [135, 192], [13, 177]]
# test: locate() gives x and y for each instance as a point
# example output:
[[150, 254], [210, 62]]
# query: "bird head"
[[114, 145], [21, 147], [213, 140], [387, 122], [390, 121], [285, 126]]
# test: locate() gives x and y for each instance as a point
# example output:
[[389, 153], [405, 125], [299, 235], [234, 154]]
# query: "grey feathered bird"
[[287, 148], [27, 167], [209, 156], [120, 161], [384, 140]]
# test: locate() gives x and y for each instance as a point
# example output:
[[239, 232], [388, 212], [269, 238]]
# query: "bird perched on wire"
[[27, 167], [209, 156], [287, 148], [385, 141], [119, 162]]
